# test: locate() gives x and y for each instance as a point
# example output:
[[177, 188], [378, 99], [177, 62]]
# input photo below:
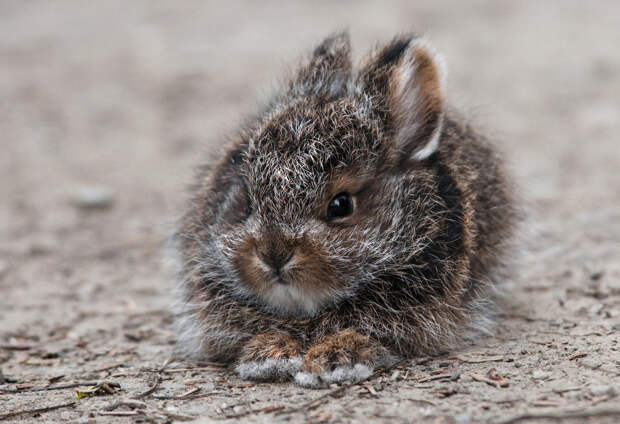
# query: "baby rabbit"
[[354, 222]]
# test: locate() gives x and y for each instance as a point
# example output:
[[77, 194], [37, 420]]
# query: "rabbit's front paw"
[[344, 356], [270, 357]]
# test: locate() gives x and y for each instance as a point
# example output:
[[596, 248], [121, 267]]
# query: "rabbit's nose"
[[276, 258]]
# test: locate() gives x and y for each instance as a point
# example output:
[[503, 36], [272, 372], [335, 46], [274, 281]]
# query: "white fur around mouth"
[[269, 369], [355, 373], [289, 298]]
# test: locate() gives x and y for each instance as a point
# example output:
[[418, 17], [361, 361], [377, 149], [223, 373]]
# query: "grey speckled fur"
[[411, 270], [270, 369]]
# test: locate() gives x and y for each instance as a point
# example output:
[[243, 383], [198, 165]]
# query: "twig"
[[422, 401], [121, 413], [110, 410], [273, 408], [177, 416], [173, 370], [561, 390], [187, 395], [489, 381], [523, 317], [157, 382], [134, 404], [435, 377], [577, 355], [17, 346], [151, 389], [42, 389], [480, 360], [195, 396], [36, 410], [109, 367], [266, 410], [500, 401], [340, 390], [545, 403], [206, 364], [562, 415]]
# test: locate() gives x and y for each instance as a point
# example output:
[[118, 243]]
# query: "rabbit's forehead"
[[293, 173], [293, 156], [314, 137]]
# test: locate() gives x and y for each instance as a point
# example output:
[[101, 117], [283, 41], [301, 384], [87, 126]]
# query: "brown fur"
[[409, 272], [270, 346], [345, 348]]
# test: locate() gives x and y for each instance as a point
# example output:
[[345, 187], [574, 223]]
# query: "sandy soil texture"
[[105, 107]]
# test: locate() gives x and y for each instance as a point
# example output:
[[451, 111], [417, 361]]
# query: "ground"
[[106, 107]]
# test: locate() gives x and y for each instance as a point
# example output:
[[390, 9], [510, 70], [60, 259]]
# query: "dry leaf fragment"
[[103, 388]]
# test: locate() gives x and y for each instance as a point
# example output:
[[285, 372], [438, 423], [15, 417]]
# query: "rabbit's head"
[[328, 191]]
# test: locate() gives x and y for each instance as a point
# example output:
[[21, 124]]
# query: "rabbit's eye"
[[340, 206]]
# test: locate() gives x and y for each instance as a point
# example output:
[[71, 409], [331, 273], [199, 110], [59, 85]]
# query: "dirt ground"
[[105, 108]]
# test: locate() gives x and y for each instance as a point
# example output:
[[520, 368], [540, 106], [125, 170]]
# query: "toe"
[[355, 373], [308, 379], [340, 374], [269, 369]]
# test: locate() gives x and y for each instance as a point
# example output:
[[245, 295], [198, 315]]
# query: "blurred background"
[[106, 107]]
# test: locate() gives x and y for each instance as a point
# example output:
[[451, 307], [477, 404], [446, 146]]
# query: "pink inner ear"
[[416, 93]]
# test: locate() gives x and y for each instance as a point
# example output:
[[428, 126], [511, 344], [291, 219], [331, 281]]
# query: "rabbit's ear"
[[410, 78], [326, 72]]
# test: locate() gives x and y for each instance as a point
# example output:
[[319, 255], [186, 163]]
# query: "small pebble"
[[591, 363], [595, 276], [84, 419], [92, 197], [540, 375], [596, 309], [602, 390], [466, 378], [463, 418], [574, 395]]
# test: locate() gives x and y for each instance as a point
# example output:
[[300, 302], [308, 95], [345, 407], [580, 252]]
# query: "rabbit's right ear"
[[409, 79], [328, 69]]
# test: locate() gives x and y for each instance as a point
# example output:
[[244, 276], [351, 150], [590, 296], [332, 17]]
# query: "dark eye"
[[340, 206]]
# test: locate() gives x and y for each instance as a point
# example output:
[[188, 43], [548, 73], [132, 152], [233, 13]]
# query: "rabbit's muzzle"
[[288, 276]]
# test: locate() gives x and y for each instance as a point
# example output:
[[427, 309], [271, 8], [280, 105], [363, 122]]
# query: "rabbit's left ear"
[[411, 79], [326, 72]]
